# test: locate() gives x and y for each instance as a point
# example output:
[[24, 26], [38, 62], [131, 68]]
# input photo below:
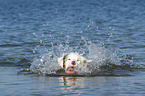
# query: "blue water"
[[30, 30]]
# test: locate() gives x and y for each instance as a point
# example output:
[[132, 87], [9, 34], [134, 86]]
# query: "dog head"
[[71, 61]]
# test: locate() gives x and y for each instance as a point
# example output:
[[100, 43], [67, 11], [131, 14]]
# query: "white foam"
[[47, 62]]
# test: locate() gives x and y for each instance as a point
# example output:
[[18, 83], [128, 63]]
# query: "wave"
[[105, 62]]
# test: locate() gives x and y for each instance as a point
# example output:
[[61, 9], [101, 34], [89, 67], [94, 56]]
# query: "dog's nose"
[[73, 63]]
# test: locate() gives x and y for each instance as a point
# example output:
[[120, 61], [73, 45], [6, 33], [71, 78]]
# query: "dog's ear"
[[61, 60], [86, 61], [89, 60], [82, 54]]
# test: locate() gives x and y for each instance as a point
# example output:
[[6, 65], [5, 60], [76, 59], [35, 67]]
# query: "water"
[[33, 34]]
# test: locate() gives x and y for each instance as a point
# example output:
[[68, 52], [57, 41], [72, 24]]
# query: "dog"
[[71, 62]]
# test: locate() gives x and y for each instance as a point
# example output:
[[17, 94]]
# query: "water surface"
[[41, 30]]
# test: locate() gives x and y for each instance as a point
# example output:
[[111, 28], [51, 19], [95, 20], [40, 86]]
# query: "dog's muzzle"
[[73, 63], [71, 70]]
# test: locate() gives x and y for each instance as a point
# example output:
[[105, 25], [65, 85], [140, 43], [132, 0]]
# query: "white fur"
[[72, 57]]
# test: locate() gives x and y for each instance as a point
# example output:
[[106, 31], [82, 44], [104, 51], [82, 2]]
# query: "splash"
[[47, 62]]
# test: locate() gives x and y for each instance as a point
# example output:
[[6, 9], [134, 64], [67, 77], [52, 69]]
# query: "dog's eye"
[[78, 59]]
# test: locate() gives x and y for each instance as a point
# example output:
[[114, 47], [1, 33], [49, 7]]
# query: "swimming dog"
[[70, 62]]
